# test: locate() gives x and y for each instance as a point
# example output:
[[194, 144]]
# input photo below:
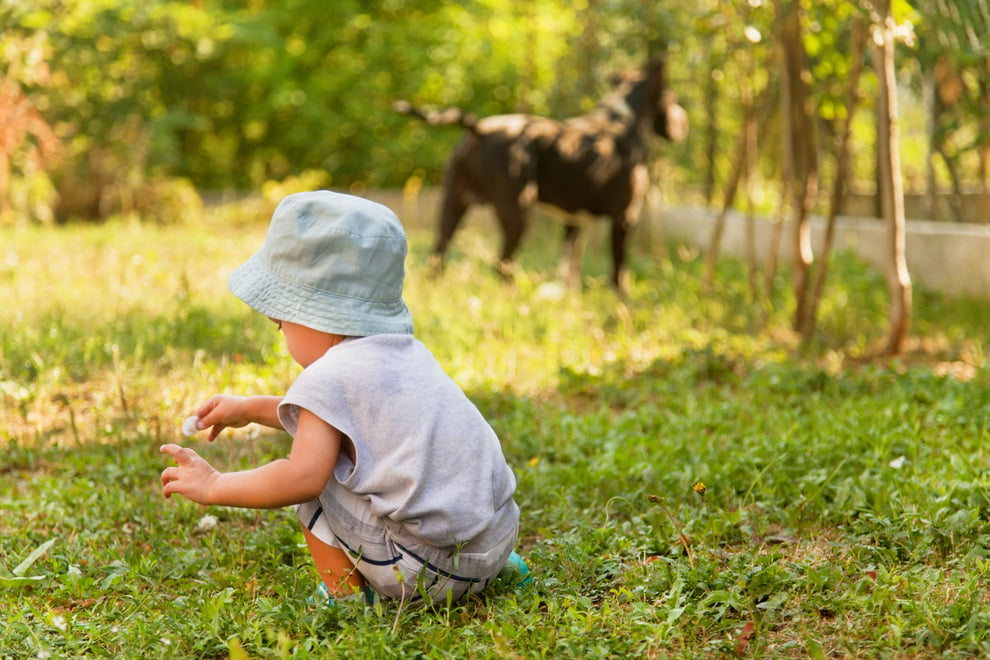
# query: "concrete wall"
[[951, 258], [971, 207]]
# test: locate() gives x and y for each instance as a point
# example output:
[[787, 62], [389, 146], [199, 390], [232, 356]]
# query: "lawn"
[[691, 482]]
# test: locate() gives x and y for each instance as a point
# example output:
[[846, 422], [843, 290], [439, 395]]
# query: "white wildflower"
[[207, 523], [58, 621]]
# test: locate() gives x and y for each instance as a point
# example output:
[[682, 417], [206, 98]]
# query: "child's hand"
[[194, 477], [222, 411]]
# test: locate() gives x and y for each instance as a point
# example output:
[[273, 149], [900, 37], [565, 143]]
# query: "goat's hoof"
[[434, 265], [506, 269]]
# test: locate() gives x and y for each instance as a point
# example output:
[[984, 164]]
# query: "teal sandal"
[[323, 596], [516, 569]]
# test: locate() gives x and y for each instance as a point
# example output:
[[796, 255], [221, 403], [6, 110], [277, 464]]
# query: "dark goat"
[[593, 164]]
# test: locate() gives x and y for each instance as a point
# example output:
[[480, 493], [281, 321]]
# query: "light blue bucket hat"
[[331, 262]]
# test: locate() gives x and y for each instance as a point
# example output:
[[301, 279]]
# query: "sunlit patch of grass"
[[845, 509]]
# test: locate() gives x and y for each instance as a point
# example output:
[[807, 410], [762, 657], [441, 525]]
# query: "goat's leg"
[[620, 232], [623, 221], [512, 220], [571, 256], [452, 210]]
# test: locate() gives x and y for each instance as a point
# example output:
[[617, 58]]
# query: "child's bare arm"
[[225, 410], [298, 478]]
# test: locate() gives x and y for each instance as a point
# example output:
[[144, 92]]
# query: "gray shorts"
[[394, 564]]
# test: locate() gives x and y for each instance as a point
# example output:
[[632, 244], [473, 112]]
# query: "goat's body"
[[594, 164]]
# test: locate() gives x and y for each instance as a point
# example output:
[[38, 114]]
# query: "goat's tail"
[[438, 118]]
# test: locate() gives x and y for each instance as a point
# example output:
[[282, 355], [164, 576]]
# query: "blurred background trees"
[[109, 106]]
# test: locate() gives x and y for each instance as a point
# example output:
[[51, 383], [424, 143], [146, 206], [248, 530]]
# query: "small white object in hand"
[[189, 426]]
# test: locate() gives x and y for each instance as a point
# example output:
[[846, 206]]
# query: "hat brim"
[[271, 295]]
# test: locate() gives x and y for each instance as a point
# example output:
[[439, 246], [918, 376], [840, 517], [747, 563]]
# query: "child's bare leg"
[[335, 569]]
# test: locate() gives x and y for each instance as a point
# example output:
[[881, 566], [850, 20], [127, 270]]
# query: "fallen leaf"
[[745, 635]]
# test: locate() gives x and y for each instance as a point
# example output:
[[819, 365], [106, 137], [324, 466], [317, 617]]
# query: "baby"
[[399, 483]]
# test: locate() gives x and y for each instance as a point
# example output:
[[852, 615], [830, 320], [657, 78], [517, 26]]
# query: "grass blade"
[[33, 557]]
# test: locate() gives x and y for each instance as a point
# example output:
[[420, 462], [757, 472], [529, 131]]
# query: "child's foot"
[[322, 596], [325, 598], [515, 568]]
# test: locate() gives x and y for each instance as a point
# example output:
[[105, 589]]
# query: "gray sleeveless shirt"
[[424, 458]]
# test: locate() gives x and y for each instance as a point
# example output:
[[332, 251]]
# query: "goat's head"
[[647, 94]]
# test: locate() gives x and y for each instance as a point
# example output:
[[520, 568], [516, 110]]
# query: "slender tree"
[[742, 168], [857, 49], [798, 135], [891, 186], [751, 133]]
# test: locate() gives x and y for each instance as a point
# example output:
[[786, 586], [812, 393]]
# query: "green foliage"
[[229, 95], [845, 508], [233, 96]]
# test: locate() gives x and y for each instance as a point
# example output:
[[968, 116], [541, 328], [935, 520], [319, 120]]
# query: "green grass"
[[846, 504]]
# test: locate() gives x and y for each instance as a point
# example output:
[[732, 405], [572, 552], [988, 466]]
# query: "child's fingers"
[[207, 407], [212, 411], [212, 416], [182, 455], [169, 475]]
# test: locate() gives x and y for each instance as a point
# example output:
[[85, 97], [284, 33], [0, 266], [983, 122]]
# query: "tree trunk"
[[891, 190], [984, 149], [751, 131], [711, 97], [591, 46], [838, 195], [728, 196], [798, 131], [931, 122], [952, 167], [786, 182], [756, 112]]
